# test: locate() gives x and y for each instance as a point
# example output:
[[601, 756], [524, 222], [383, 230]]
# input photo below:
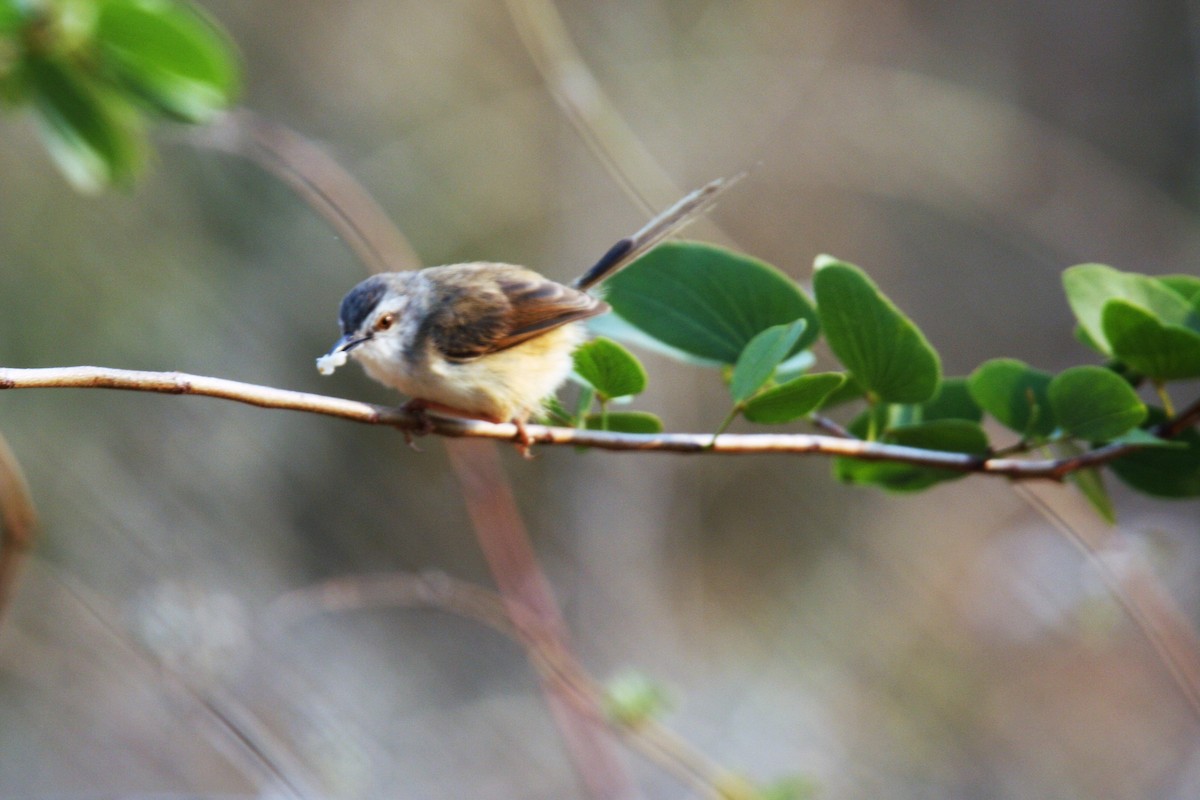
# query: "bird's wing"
[[501, 307]]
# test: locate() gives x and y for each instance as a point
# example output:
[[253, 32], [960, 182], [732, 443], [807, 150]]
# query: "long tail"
[[668, 222]]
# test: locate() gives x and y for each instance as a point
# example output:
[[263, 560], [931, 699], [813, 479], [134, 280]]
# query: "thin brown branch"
[[18, 522], [725, 444], [1185, 419]]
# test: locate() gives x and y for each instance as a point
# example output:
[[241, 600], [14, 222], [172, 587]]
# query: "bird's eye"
[[385, 322]]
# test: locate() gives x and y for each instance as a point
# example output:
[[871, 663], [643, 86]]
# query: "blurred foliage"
[[94, 71]]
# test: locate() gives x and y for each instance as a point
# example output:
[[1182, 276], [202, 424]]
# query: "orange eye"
[[385, 322]]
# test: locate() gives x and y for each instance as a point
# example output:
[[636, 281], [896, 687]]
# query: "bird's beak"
[[347, 343]]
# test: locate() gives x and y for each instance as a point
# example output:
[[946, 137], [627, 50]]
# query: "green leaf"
[[1160, 472], [93, 139], [952, 401], [880, 346], [632, 699], [1090, 286], [12, 17], [610, 369], [624, 422], [1014, 393], [1144, 438], [952, 435], [1094, 403], [795, 366], [762, 355], [791, 788], [1162, 352], [555, 413], [1187, 286], [172, 56], [1085, 339], [848, 392], [707, 301], [1090, 482], [792, 400]]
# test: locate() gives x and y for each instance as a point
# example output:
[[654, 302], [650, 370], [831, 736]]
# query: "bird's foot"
[[419, 411], [523, 440]]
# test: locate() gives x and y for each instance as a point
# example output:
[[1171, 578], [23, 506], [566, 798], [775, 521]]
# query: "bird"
[[485, 340]]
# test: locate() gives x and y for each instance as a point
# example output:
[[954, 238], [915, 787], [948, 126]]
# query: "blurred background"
[[950, 644]]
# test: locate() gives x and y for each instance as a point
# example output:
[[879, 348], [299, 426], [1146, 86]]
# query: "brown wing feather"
[[486, 308]]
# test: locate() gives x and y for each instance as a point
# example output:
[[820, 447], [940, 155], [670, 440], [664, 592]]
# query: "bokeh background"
[[951, 644]]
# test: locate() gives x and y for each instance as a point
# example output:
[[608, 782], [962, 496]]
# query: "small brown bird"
[[485, 340]]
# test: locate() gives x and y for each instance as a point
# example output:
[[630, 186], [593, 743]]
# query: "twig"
[[744, 444], [586, 105], [442, 592], [526, 596], [18, 522], [319, 181], [1137, 590]]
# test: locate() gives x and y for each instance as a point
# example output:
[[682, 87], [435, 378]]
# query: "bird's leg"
[[523, 441], [419, 410]]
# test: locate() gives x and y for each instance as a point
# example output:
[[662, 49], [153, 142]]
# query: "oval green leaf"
[[952, 401], [624, 422], [1014, 393], [1090, 286], [1094, 403], [848, 392], [763, 354], [1162, 352], [92, 138], [610, 369], [169, 54], [707, 301], [790, 401], [875, 341], [1163, 472], [952, 435], [1186, 286], [1090, 482]]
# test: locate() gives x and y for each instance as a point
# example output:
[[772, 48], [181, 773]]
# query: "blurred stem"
[[18, 523], [826, 424], [588, 108], [725, 423], [1164, 397], [445, 593], [533, 611], [320, 182], [1136, 588]]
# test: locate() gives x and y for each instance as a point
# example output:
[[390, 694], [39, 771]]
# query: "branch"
[[727, 444]]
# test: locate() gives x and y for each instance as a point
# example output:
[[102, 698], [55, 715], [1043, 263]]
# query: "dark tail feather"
[[665, 224]]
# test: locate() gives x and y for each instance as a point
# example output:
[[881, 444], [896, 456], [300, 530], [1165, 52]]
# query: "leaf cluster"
[[710, 306], [94, 71]]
